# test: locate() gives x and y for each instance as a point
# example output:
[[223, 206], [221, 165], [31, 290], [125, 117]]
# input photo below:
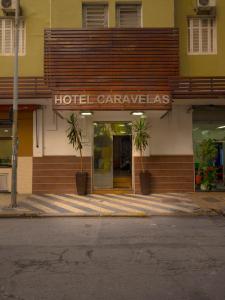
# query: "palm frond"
[[74, 133], [141, 137]]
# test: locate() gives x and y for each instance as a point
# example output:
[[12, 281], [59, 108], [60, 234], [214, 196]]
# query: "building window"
[[6, 146], [128, 15], [202, 36], [7, 37], [95, 16]]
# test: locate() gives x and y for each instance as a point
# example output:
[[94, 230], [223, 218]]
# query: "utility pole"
[[15, 111]]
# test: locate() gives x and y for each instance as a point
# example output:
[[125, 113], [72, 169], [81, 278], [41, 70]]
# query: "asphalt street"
[[172, 258]]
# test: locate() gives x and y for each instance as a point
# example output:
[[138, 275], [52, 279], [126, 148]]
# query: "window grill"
[[3, 182], [128, 15], [7, 37], [202, 35], [95, 16]]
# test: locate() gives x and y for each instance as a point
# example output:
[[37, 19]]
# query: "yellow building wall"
[[5, 148], [36, 14], [200, 65], [25, 132], [25, 159], [158, 13], [24, 175], [68, 13]]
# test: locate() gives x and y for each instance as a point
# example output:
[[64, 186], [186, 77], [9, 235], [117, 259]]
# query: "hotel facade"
[[112, 62]]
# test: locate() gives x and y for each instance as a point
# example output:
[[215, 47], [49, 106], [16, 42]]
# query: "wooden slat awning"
[[115, 60], [197, 87], [29, 88]]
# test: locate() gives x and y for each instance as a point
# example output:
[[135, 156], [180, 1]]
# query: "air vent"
[[206, 4], [8, 5]]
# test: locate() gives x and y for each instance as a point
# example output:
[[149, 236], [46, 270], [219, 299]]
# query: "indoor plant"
[[141, 141], [209, 178], [74, 136], [206, 155]]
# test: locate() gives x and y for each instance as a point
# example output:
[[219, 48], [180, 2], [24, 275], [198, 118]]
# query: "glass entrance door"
[[112, 155], [103, 153], [122, 161]]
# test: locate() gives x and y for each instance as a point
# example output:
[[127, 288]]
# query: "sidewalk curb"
[[22, 215], [219, 212], [7, 212], [117, 215], [19, 215]]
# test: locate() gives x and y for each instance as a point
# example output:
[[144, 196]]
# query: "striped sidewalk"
[[110, 205]]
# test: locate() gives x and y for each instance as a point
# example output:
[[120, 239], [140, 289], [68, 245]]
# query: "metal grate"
[[128, 15], [95, 16]]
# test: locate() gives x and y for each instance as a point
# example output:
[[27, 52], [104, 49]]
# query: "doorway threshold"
[[113, 191]]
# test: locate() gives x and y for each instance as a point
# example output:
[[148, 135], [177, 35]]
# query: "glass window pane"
[[5, 132], [215, 131], [7, 37], [5, 152], [201, 35], [5, 146]]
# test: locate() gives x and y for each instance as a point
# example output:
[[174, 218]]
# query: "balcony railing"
[[197, 87], [29, 87]]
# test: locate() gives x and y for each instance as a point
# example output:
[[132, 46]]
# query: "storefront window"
[[214, 131], [5, 146]]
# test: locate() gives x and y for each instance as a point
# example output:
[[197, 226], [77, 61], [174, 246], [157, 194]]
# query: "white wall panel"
[[171, 135]]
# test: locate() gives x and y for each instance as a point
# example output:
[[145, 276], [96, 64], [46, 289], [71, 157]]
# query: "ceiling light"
[[221, 127], [205, 132], [137, 113], [86, 113]]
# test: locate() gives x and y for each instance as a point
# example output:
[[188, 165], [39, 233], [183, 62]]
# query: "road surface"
[[164, 258]]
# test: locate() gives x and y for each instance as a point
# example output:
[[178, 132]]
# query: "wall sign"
[[111, 101]]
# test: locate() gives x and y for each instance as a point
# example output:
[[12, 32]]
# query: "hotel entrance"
[[112, 156]]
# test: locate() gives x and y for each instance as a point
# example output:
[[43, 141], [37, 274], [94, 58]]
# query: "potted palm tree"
[[141, 141], [74, 135]]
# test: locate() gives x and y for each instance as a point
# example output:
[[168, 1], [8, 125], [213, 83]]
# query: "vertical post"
[[15, 111]]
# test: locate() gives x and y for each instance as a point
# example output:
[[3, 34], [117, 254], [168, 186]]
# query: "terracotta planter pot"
[[198, 179], [81, 183], [145, 179]]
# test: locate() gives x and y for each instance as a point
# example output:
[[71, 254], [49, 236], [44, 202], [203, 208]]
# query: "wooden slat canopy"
[[197, 87], [29, 87], [116, 60]]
